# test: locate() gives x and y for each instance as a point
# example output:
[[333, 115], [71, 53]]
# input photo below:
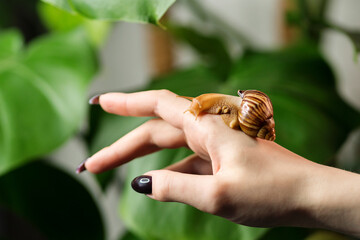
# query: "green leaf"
[[10, 44], [285, 233], [144, 11], [42, 94], [129, 236], [56, 19], [210, 47], [105, 179], [23, 228], [190, 82], [355, 40], [327, 235], [52, 202], [5, 16], [310, 117], [62, 4], [316, 8], [353, 35]]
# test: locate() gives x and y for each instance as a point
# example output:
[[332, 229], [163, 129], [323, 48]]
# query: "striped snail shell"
[[251, 112], [256, 115]]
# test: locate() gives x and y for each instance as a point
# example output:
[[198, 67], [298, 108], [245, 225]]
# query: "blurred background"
[[303, 54]]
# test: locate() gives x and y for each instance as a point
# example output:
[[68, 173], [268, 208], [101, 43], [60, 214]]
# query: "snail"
[[251, 112]]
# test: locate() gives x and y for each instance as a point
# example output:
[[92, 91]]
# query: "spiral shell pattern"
[[256, 115]]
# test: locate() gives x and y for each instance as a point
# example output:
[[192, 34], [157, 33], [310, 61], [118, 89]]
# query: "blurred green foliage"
[[143, 11], [50, 201], [43, 88], [43, 85], [326, 235], [301, 85], [212, 48], [96, 30], [22, 15]]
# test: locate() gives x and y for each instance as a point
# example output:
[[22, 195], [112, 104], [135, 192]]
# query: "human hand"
[[248, 181]]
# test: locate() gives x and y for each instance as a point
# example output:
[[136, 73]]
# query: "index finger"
[[154, 103]]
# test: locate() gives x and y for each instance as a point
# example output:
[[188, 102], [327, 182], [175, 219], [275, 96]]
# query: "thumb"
[[200, 191]]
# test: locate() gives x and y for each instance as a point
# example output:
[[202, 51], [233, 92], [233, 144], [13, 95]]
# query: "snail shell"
[[256, 115], [251, 112]]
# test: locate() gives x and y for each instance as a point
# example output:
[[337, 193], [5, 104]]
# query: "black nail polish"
[[142, 184], [94, 100], [81, 167]]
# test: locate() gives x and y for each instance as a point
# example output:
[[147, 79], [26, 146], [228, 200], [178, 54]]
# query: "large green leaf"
[[56, 19], [188, 82], [129, 236], [42, 93], [327, 235], [51, 202], [144, 11], [210, 47], [285, 233], [310, 117], [10, 44]]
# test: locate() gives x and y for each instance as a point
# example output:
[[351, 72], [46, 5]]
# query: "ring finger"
[[150, 137]]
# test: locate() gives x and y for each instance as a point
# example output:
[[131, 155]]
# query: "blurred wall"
[[340, 52], [125, 66]]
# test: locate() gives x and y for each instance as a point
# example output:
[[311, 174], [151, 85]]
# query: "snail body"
[[251, 112]]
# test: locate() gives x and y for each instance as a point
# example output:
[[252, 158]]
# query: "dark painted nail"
[[142, 184], [81, 167], [94, 100]]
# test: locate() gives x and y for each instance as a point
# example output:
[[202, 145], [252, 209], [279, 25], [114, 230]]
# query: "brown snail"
[[251, 112]]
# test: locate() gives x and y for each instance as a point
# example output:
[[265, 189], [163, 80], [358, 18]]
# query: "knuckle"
[[162, 186], [217, 198], [150, 124], [161, 94], [212, 137], [149, 129], [165, 92]]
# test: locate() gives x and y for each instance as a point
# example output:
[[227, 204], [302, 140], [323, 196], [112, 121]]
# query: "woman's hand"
[[248, 181]]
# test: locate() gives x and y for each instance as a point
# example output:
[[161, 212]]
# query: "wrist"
[[330, 199]]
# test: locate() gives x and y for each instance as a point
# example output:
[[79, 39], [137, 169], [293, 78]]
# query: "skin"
[[212, 103], [249, 181]]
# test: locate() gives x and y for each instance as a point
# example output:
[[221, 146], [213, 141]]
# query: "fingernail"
[[81, 167], [94, 100], [142, 184]]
